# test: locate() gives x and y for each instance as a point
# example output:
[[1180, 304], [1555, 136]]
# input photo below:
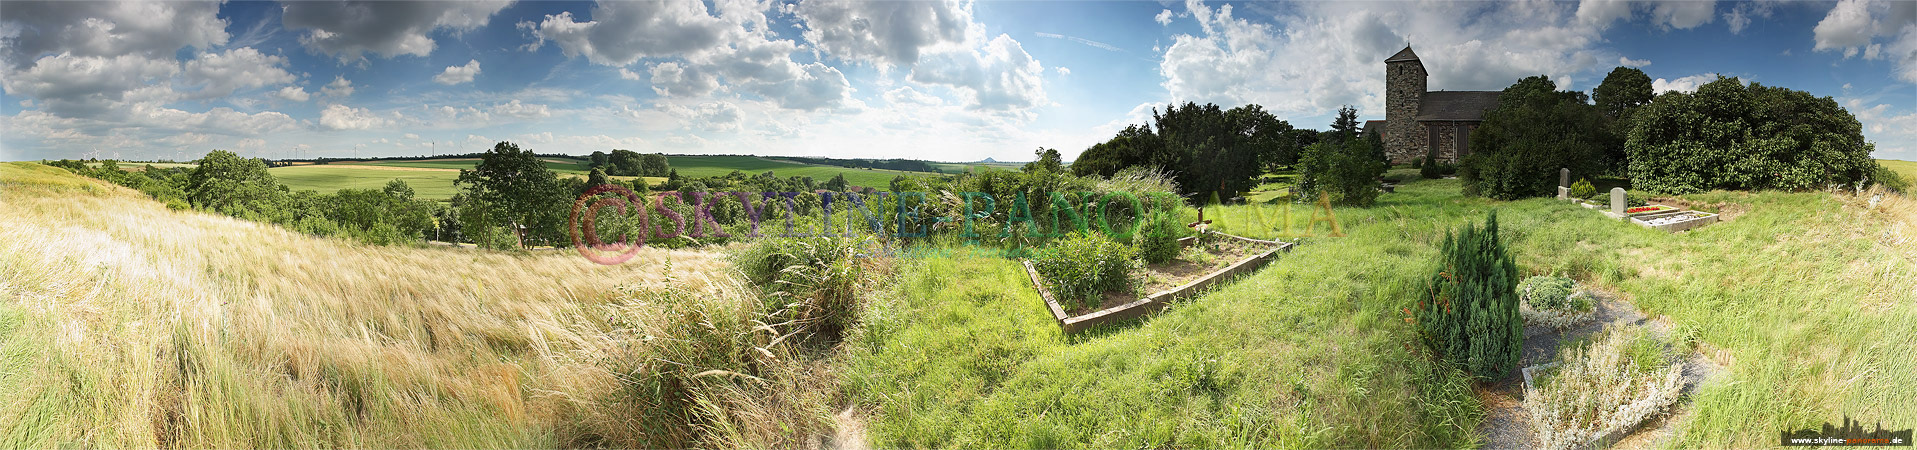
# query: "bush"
[[1618, 381], [1554, 302], [1157, 240], [1535, 131], [1583, 189], [1347, 172], [1430, 169], [1889, 179], [1081, 267], [1731, 136], [812, 281], [1469, 314]]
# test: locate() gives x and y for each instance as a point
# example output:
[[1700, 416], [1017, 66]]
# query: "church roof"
[[1456, 105], [1403, 55], [1372, 126]]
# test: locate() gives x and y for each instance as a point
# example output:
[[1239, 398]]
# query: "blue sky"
[[939, 80]]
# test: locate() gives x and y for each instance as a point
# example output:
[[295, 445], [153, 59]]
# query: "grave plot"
[[1676, 220], [1205, 261]]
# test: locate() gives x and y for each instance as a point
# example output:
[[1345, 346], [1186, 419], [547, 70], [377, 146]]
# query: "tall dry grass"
[[124, 324]]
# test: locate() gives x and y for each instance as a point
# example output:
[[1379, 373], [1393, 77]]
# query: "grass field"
[[712, 166], [125, 324], [427, 184], [129, 325], [1906, 168], [1806, 297]]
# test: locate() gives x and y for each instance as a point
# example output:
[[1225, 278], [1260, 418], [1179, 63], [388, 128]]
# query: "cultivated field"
[[1907, 168]]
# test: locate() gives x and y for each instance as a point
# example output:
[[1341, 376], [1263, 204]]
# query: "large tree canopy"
[[1732, 136], [1204, 148], [518, 185], [1534, 131], [232, 185]]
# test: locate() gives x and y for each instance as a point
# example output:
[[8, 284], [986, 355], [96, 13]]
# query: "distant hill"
[[988, 160]]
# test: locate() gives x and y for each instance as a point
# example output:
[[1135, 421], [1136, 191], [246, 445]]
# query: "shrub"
[[1469, 313], [1535, 131], [1431, 169], [1157, 240], [813, 281], [1583, 189], [1731, 136], [1620, 379], [1347, 172], [1554, 302], [1081, 267], [1889, 179]]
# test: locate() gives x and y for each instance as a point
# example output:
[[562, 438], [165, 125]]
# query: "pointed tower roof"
[[1403, 55]]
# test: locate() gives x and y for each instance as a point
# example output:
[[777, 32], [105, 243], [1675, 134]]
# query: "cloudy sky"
[[953, 81]]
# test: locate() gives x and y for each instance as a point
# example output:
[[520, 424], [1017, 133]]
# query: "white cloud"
[[458, 74], [87, 86], [622, 32], [518, 110], [1628, 62], [679, 80], [883, 33], [719, 117], [1895, 135], [340, 87], [1163, 17], [998, 77], [350, 29], [1847, 25], [630, 75], [1087, 42], [1853, 25], [243, 68], [1679, 14], [113, 29], [1063, 71], [1686, 84], [342, 117], [292, 93]]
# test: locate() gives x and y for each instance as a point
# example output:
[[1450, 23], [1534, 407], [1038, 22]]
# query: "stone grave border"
[[1157, 301], [1642, 218]]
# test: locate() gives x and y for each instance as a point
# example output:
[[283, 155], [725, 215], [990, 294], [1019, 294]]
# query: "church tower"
[[1404, 91]]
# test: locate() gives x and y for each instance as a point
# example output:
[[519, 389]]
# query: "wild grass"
[[1806, 297], [1616, 382], [124, 324]]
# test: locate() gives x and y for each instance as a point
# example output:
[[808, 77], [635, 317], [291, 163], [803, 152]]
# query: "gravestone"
[[1564, 184], [1617, 200]]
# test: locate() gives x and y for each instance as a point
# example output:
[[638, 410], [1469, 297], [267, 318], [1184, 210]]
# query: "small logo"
[[1851, 434]]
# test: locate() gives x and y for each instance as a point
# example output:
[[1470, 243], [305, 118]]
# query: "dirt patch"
[[1506, 425], [1192, 263], [850, 434]]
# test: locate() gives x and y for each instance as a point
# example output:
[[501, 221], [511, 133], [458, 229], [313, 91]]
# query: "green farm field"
[[1906, 168]]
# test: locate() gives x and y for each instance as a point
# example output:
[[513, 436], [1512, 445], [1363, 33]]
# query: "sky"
[[933, 80]]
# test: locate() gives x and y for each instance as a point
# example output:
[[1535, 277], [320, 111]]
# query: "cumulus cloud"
[[83, 86], [1628, 62], [458, 74], [1063, 71], [1853, 27], [340, 87], [1686, 84], [721, 116], [107, 29], [619, 33], [885, 34], [1679, 14], [1000, 76], [292, 93], [243, 68], [350, 29], [1163, 17], [342, 117]]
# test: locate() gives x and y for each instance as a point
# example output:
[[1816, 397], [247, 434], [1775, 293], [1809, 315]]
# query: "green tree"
[[836, 184], [1045, 160], [1625, 88], [654, 165], [597, 177], [600, 159], [518, 190], [1534, 131], [226, 183], [1469, 311], [1347, 172], [1731, 136], [625, 163]]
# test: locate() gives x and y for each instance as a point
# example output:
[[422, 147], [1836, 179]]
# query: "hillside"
[[433, 178], [130, 325]]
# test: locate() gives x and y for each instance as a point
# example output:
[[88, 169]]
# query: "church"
[[1418, 120]]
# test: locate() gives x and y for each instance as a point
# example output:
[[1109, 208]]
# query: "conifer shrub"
[[1431, 170], [1081, 267], [1583, 189], [1469, 311]]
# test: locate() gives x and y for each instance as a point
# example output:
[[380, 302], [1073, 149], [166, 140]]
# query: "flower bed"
[[1199, 266], [1648, 210]]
